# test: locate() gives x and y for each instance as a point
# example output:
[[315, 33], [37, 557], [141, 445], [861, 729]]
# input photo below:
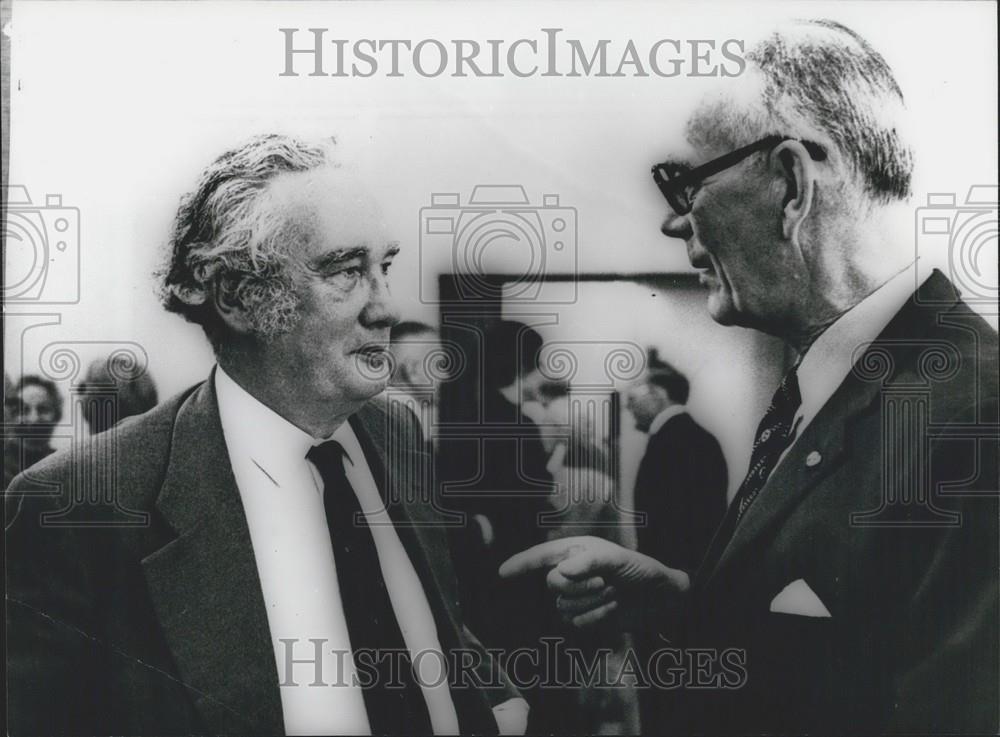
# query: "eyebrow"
[[335, 258]]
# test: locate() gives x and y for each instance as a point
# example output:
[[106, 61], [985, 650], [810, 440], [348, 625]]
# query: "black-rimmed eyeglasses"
[[679, 183]]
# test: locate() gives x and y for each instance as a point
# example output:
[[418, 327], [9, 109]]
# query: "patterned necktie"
[[393, 698], [774, 434]]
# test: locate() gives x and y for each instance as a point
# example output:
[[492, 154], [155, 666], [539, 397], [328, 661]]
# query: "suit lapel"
[[825, 437], [793, 479], [204, 583]]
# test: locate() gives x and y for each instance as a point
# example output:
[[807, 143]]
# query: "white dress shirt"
[[282, 494]]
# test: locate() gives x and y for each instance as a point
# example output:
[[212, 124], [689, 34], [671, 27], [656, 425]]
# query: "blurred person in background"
[[509, 480], [499, 465], [133, 390], [680, 488], [10, 464], [580, 464], [37, 407], [682, 478], [585, 503], [414, 346]]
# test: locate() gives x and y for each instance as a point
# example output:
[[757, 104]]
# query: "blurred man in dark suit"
[[292, 567], [855, 576], [680, 487], [500, 466], [681, 482]]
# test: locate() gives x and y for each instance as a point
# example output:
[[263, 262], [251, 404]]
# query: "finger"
[[540, 556], [580, 567], [568, 587], [595, 616], [595, 559], [574, 605], [562, 585], [556, 581]]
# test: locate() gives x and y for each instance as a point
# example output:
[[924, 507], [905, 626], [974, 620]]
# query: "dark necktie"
[[393, 699], [774, 434]]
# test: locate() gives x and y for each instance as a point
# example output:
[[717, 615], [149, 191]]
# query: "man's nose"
[[381, 310], [676, 226]]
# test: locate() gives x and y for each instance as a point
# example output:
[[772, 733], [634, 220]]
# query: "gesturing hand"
[[598, 581]]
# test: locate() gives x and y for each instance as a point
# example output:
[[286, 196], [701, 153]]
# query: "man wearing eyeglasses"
[[854, 577]]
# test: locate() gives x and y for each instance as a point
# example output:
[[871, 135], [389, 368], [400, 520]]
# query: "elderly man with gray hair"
[[291, 575], [852, 585]]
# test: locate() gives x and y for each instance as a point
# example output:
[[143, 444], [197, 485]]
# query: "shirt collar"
[[829, 359], [661, 419], [350, 443], [255, 431]]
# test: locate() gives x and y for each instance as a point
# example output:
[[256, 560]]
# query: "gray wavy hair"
[[226, 236]]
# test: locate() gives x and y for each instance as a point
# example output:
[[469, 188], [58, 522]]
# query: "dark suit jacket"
[[161, 628], [912, 641], [681, 486], [499, 467]]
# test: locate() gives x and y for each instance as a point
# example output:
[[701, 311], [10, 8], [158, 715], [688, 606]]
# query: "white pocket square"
[[798, 598]]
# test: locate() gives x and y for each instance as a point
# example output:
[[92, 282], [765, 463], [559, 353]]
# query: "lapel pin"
[[813, 459]]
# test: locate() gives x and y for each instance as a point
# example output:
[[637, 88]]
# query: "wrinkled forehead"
[[330, 209]]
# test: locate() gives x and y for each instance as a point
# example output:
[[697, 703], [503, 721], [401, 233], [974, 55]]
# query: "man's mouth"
[[706, 272], [700, 260]]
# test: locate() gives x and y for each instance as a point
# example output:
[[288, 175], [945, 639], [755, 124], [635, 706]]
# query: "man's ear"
[[798, 169], [227, 296]]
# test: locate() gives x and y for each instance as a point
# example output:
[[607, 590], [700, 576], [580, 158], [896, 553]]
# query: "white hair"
[[228, 234], [821, 82]]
